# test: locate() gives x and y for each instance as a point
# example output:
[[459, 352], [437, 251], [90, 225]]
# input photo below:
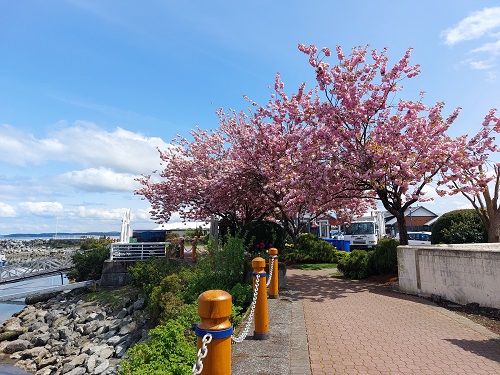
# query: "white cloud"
[[42, 208], [492, 76], [490, 48], [101, 214], [20, 148], [483, 25], [475, 26], [480, 64], [85, 144], [99, 180], [141, 214], [7, 210]]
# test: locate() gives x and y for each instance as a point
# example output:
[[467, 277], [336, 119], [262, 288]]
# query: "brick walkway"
[[360, 328]]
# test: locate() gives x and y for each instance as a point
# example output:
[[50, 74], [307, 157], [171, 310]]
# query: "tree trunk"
[[494, 228], [398, 209], [403, 230]]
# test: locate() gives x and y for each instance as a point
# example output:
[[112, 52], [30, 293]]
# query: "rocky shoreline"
[[73, 334]]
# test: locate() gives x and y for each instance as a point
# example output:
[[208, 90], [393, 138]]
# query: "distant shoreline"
[[14, 236]]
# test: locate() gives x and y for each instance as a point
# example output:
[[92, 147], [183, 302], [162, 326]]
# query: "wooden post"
[[193, 249], [273, 285], [181, 248], [261, 321], [214, 309]]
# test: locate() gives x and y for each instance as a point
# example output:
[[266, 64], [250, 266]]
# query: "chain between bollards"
[[271, 269], [240, 338], [202, 353]]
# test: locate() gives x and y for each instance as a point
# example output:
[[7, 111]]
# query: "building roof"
[[417, 211], [420, 211]]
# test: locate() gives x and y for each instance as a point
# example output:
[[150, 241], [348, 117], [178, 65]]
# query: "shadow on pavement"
[[321, 286], [489, 348]]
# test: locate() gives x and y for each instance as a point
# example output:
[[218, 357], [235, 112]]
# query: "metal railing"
[[14, 272], [137, 251]]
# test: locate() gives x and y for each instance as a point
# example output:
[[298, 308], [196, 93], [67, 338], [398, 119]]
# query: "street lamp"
[[410, 219]]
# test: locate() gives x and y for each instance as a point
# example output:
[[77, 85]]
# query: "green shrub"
[[262, 235], [167, 286], [385, 257], [93, 243], [357, 265], [148, 274], [88, 264], [221, 269], [166, 301], [459, 226], [312, 249]]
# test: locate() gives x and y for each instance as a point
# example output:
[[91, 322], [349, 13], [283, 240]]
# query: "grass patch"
[[315, 266], [112, 297]]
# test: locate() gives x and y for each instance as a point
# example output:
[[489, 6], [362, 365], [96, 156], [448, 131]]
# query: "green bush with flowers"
[[260, 236]]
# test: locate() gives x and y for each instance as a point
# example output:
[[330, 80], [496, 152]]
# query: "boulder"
[[90, 363], [34, 353], [77, 371], [101, 367], [12, 324], [40, 340], [10, 335], [16, 346]]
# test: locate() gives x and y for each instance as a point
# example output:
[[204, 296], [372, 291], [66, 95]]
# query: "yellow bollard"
[[273, 285], [214, 308], [181, 253], [261, 321]]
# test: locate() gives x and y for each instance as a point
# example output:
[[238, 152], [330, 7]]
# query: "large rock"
[[10, 335], [101, 367], [13, 324], [41, 340], [16, 346]]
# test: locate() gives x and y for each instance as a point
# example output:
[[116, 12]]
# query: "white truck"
[[365, 232]]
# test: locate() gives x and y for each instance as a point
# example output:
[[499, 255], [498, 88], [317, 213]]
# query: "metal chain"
[[202, 353], [237, 339], [271, 268]]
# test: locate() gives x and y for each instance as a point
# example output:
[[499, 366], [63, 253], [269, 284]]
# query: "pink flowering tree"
[[476, 177], [390, 146], [198, 182]]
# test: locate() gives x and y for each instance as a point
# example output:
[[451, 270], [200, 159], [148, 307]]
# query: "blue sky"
[[90, 88]]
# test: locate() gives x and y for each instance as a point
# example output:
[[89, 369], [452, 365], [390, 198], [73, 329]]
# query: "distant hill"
[[61, 235]]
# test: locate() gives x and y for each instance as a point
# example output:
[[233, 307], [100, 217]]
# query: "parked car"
[[418, 238]]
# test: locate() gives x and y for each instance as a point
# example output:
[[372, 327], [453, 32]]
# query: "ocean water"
[[9, 308]]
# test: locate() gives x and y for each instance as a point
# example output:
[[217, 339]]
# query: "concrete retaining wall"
[[465, 273], [115, 273]]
